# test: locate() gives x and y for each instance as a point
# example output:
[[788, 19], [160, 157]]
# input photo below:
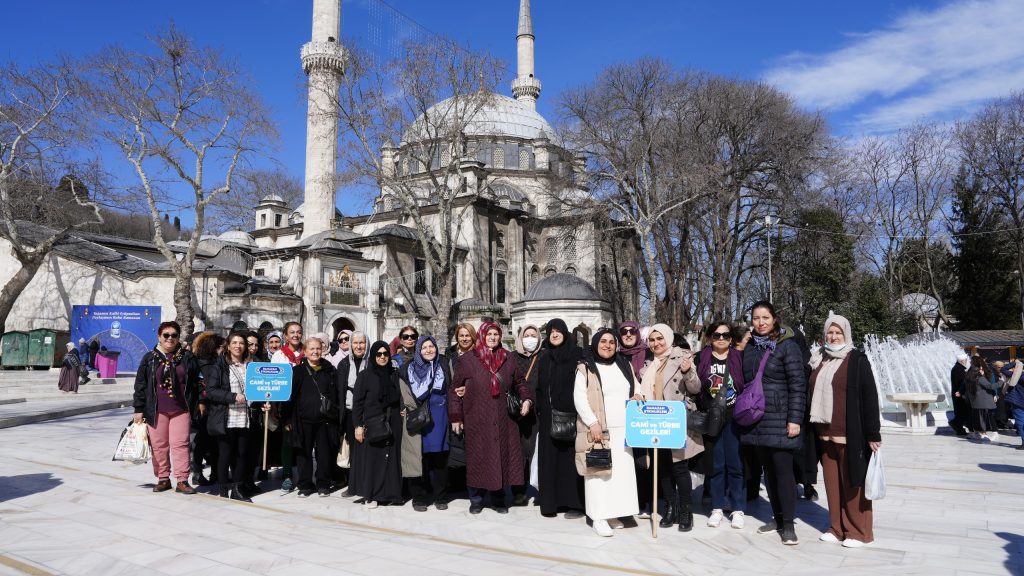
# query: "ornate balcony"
[[328, 56]]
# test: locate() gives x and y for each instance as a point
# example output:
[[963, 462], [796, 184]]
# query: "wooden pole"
[[654, 499], [266, 425]]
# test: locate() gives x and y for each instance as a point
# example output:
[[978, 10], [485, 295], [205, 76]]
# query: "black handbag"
[[327, 408], [456, 449], [378, 428], [599, 458], [418, 418], [563, 424], [513, 403]]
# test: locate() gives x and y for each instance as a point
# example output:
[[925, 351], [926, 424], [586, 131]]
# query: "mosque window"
[[499, 245], [570, 247], [570, 270], [263, 220], [534, 275], [550, 270], [498, 157], [500, 274], [259, 272], [524, 158], [446, 157], [277, 220], [420, 269], [552, 250]]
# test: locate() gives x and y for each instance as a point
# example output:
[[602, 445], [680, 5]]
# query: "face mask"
[[834, 347], [530, 343]]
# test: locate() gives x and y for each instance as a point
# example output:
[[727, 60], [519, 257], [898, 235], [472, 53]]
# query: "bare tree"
[[406, 121], [234, 209], [38, 130], [184, 118]]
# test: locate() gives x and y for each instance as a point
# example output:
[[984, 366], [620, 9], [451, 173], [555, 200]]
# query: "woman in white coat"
[[604, 381]]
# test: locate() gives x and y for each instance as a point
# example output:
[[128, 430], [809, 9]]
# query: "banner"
[[128, 330], [655, 424]]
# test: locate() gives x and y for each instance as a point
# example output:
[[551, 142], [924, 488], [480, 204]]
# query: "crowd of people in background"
[[412, 419], [986, 398]]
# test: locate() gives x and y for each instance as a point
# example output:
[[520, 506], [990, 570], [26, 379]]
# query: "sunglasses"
[[408, 336], [169, 335], [382, 354], [627, 331], [721, 336], [342, 339]]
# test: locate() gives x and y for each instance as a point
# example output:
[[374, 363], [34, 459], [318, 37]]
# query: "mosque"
[[519, 258]]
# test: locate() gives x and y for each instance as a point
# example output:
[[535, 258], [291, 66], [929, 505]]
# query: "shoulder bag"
[[378, 428], [563, 424], [327, 408], [418, 417], [749, 408]]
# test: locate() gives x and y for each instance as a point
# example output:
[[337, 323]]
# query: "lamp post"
[[768, 235], [1020, 288]]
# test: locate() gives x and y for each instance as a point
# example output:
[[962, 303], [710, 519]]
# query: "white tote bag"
[[874, 482], [134, 444], [534, 475]]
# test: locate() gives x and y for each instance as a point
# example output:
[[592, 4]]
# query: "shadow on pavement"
[[1012, 468], [1014, 552], [14, 487]]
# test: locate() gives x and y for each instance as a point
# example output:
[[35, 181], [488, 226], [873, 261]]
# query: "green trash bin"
[[42, 347], [15, 350]]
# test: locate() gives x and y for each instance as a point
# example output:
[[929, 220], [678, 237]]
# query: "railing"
[[342, 296]]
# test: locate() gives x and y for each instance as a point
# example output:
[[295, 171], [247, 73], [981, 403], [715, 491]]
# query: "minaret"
[[323, 61], [525, 88]]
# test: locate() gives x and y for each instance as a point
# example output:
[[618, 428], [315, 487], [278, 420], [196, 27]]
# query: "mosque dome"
[[499, 116], [562, 287], [297, 216], [272, 199], [237, 237]]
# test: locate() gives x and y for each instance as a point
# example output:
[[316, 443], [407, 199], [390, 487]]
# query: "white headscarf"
[[830, 358]]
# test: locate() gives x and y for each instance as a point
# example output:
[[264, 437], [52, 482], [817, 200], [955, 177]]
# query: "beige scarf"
[[653, 384], [827, 362]]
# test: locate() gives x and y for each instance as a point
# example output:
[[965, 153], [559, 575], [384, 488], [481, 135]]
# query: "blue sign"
[[129, 330], [267, 382], [655, 424]]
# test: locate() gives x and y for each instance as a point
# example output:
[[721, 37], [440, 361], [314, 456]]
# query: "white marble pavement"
[[954, 507]]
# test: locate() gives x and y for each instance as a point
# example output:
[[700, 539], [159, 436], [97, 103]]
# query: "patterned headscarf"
[[637, 352], [491, 359]]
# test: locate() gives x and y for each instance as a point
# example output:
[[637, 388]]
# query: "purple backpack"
[[749, 408]]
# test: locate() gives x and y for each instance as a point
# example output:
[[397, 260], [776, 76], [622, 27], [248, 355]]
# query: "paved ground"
[[954, 507]]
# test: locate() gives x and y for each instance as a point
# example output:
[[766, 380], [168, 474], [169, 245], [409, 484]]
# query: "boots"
[[670, 515], [224, 491], [236, 494], [685, 512]]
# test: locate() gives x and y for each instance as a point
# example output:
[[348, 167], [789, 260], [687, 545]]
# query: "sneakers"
[[789, 536], [371, 504], [851, 543], [287, 485], [305, 492], [738, 520], [993, 436], [829, 537], [768, 528], [324, 492], [602, 528], [716, 518]]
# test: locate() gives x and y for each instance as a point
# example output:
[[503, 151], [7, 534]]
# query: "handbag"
[[456, 449], [563, 424], [418, 418], [749, 408], [327, 409], [599, 458], [378, 428], [344, 453], [133, 446], [513, 402], [874, 481]]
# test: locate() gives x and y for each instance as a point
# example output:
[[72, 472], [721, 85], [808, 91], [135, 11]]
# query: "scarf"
[[424, 375], [558, 367], [387, 392], [826, 363], [293, 357], [170, 361], [491, 359], [636, 353], [763, 342]]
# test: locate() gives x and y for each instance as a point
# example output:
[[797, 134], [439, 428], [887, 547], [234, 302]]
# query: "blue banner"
[[267, 382], [128, 330], [655, 424]]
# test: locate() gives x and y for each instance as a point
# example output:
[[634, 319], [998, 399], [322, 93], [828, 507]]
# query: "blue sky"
[[871, 65]]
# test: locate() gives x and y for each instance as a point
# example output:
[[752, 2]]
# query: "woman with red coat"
[[493, 456]]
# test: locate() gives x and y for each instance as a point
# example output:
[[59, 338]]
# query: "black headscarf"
[[620, 360], [387, 388], [593, 347], [558, 366]]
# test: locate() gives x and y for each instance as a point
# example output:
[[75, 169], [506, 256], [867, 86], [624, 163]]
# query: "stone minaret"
[[525, 88], [323, 61]]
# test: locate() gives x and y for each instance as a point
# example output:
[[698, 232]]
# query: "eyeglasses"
[[627, 331], [408, 336], [169, 335], [721, 336], [382, 354]]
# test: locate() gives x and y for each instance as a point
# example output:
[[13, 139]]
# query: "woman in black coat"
[[843, 409], [313, 417], [227, 415], [377, 471], [777, 435], [981, 392], [348, 371], [560, 486]]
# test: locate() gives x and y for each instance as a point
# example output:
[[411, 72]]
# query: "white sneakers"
[[602, 528], [737, 520], [829, 537], [851, 543], [371, 504], [716, 518]]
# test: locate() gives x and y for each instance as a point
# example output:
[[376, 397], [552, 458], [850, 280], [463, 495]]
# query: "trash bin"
[[15, 349], [106, 363], [43, 349]]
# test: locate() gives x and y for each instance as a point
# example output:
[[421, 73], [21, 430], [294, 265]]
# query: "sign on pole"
[[266, 382], [655, 424]]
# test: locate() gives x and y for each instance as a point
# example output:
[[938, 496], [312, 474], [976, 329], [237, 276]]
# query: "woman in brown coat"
[[493, 456]]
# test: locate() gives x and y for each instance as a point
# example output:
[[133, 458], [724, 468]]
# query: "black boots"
[[234, 493], [670, 515], [685, 512]]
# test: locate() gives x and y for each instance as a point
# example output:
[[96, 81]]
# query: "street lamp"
[[1020, 288], [768, 235]]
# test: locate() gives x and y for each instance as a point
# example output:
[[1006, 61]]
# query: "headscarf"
[[419, 367], [594, 342], [424, 375], [637, 352], [491, 359], [520, 349], [558, 365], [826, 361], [387, 393], [345, 353], [593, 359], [666, 333]]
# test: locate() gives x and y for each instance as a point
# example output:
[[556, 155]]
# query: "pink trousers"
[[169, 440]]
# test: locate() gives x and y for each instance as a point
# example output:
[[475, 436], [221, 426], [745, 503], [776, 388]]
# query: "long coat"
[[679, 386], [560, 485], [493, 455], [785, 394], [377, 468], [984, 393]]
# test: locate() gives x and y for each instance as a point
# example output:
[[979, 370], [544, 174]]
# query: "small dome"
[[272, 199], [298, 215], [237, 237], [562, 287]]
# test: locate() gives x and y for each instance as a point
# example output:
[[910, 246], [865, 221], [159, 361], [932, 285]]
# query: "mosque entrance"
[[339, 324]]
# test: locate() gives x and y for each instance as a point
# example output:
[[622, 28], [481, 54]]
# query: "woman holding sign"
[[775, 359], [227, 418], [604, 382], [670, 375]]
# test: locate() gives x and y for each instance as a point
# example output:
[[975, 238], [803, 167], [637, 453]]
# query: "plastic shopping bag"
[[345, 453], [534, 476], [134, 444], [874, 482]]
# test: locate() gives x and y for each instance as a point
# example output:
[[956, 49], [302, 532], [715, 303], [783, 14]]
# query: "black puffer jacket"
[[785, 394]]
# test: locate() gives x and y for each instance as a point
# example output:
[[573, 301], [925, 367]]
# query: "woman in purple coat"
[[477, 401]]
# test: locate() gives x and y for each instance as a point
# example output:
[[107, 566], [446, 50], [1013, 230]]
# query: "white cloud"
[[924, 65]]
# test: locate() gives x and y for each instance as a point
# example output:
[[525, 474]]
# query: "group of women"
[[391, 420]]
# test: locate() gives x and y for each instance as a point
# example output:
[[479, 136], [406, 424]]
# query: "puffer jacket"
[[785, 394], [144, 399]]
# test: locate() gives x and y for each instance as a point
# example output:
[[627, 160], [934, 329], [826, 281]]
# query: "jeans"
[[1018, 419], [728, 489]]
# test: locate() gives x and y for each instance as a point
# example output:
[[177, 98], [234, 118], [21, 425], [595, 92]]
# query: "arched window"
[[534, 275], [550, 270], [498, 157], [500, 275], [551, 246], [446, 157], [570, 270], [499, 245], [604, 283], [524, 158], [582, 334], [570, 247]]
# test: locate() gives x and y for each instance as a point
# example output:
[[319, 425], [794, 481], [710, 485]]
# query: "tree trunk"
[[184, 314], [442, 324], [16, 285]]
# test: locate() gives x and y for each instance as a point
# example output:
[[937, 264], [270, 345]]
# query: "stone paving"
[[954, 507]]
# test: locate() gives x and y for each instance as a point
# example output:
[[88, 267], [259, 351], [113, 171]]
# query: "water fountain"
[[913, 375]]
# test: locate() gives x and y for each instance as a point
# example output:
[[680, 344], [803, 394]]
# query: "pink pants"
[[171, 435]]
